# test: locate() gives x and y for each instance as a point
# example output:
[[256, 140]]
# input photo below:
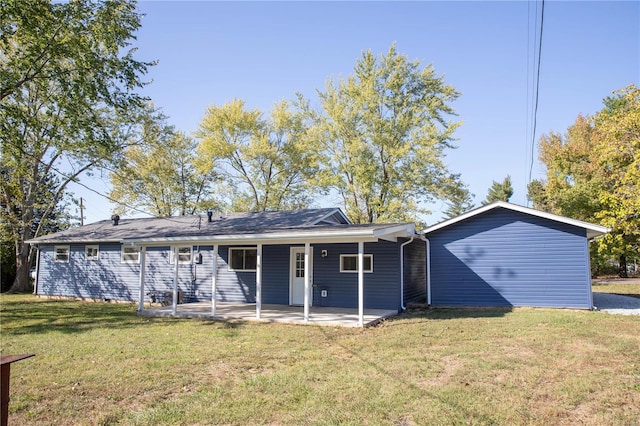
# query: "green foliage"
[[593, 174], [67, 82], [386, 129], [159, 171], [499, 191], [460, 201], [265, 163]]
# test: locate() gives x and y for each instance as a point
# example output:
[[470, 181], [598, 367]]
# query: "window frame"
[[355, 271], [61, 247], [244, 249], [180, 262], [124, 248], [91, 247]]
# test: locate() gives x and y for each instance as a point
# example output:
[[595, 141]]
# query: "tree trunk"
[[622, 270], [22, 283]]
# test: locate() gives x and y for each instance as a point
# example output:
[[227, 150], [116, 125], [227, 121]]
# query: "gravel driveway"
[[616, 304]]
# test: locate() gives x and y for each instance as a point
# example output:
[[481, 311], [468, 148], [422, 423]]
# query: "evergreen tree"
[[499, 191]]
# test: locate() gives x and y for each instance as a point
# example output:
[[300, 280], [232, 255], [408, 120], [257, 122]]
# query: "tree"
[[67, 91], [499, 191], [386, 129], [460, 201], [53, 221], [266, 164], [593, 174], [159, 171]]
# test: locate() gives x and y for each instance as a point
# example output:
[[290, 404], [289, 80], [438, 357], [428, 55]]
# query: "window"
[[349, 263], [130, 254], [91, 252], [184, 254], [243, 259], [61, 254]]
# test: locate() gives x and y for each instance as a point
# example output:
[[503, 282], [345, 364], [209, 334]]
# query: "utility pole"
[[81, 213]]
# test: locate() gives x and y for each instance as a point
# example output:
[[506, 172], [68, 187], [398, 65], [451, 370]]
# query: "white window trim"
[[55, 254], [123, 260], [366, 271], [92, 246], [181, 262], [243, 249]]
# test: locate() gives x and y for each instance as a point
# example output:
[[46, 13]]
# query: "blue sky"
[[211, 52]]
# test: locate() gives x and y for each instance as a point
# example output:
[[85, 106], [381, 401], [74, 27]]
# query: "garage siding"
[[508, 258]]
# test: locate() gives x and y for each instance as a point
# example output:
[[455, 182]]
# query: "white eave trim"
[[372, 234], [592, 229], [73, 241]]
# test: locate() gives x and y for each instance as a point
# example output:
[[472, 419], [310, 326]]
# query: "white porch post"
[[360, 283], [307, 279], [175, 281], [214, 272], [143, 252], [258, 281]]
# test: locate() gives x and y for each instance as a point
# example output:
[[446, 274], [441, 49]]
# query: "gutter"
[[35, 281], [402, 272]]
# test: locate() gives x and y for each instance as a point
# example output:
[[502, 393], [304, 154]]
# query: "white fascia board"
[[592, 229], [392, 233], [316, 236], [71, 241]]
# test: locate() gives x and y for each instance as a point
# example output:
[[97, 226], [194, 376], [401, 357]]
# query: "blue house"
[[503, 254], [497, 255], [313, 257]]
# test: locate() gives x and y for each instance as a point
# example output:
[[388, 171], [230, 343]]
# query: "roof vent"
[[210, 216], [115, 218]]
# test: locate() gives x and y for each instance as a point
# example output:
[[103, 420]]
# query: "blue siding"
[[234, 286], [415, 272], [109, 278], [381, 288], [508, 258], [275, 274]]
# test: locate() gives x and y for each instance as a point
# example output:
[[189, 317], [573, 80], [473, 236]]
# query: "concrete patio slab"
[[343, 317]]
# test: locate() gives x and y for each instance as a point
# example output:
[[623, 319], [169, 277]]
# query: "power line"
[[77, 182], [537, 92]]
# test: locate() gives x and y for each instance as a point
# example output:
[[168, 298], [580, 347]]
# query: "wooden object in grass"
[[5, 375]]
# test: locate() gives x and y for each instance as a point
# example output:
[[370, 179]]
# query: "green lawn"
[[102, 364], [622, 288]]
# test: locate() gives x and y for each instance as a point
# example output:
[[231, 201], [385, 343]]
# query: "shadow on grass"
[[430, 314], [27, 314]]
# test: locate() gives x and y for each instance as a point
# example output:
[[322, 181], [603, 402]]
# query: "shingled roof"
[[329, 221]]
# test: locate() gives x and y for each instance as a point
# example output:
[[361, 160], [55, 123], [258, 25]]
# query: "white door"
[[296, 276]]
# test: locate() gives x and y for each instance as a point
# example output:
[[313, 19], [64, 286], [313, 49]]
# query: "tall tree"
[[593, 173], [460, 201], [159, 171], [265, 163], [499, 191], [67, 89], [386, 129]]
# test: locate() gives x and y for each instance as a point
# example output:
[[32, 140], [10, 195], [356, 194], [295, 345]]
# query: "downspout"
[[428, 249], [402, 272], [35, 281]]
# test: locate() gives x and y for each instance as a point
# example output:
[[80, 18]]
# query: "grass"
[[100, 364]]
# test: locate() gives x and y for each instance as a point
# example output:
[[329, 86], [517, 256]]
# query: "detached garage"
[[503, 254]]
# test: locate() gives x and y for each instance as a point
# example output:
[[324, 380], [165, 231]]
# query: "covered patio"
[[325, 316]]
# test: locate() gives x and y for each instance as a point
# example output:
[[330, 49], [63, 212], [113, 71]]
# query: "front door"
[[296, 276]]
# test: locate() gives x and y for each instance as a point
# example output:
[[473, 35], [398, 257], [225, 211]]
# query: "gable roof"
[[592, 229], [319, 224]]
